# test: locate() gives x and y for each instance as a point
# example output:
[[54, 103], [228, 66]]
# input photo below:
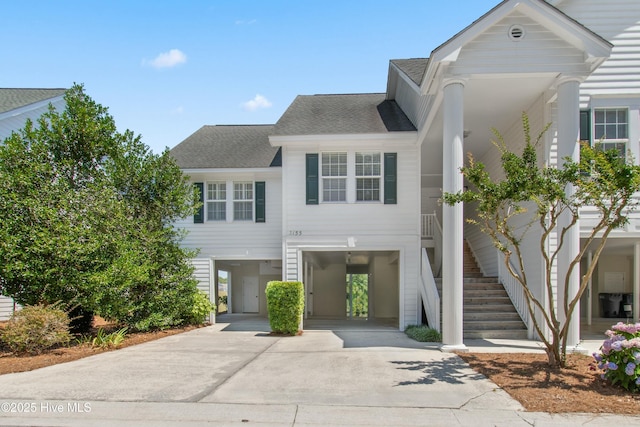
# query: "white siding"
[[6, 307], [342, 220], [619, 22], [239, 239], [202, 274], [540, 50]]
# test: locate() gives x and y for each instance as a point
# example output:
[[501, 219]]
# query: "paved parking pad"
[[238, 374]]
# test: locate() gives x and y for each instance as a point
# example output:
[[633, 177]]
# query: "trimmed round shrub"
[[37, 328]]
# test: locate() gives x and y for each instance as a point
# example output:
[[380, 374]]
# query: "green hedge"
[[285, 304]]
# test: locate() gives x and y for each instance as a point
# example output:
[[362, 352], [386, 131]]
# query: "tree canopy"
[[87, 219]]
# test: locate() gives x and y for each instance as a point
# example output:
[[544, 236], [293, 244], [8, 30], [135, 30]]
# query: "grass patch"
[[423, 333]]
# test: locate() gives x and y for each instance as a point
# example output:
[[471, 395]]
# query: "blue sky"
[[166, 68]]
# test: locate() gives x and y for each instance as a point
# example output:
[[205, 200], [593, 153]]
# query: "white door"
[[250, 299]]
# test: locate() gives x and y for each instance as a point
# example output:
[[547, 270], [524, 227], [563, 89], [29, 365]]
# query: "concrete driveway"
[[237, 374]]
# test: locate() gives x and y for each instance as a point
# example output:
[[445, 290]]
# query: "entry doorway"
[[357, 296]]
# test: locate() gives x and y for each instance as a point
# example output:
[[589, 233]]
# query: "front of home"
[[342, 192]]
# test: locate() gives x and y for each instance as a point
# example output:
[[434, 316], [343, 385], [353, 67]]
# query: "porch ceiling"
[[495, 101], [326, 258]]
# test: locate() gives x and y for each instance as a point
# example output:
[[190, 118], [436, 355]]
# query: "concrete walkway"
[[237, 374]]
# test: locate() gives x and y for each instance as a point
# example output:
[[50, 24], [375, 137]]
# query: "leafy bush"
[[285, 304], [37, 328], [202, 307], [423, 333], [620, 356], [112, 340]]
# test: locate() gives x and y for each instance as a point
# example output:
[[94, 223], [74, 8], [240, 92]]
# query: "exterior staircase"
[[487, 310]]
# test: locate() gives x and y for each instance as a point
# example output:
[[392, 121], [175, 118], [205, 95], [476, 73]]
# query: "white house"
[[16, 106], [348, 185]]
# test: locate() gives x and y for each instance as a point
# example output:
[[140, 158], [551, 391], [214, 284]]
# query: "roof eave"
[[597, 49], [293, 140]]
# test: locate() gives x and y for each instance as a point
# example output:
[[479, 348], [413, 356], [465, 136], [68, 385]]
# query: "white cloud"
[[167, 59], [257, 103], [178, 110]]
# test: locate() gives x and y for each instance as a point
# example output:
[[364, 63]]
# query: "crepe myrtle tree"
[[538, 195], [87, 219]]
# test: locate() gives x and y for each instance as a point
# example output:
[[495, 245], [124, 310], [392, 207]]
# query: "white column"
[[453, 218], [636, 282], [568, 146], [590, 291]]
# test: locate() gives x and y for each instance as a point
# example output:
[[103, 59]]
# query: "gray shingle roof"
[[342, 114], [10, 99], [414, 68], [238, 146]]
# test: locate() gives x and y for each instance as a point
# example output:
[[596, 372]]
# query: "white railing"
[[429, 293], [429, 226], [515, 292]]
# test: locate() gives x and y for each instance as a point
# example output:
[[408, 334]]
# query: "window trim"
[[214, 201], [604, 142], [336, 178], [372, 176], [248, 199]]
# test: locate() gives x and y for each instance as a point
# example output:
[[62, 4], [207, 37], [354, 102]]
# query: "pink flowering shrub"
[[620, 356]]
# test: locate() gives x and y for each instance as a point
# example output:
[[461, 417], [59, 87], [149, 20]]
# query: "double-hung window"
[[334, 177], [368, 177], [243, 201], [216, 201], [611, 129]]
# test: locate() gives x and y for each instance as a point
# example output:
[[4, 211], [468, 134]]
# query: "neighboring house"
[[348, 185], [16, 106]]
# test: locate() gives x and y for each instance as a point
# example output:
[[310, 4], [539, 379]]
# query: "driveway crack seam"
[[471, 399], [210, 390]]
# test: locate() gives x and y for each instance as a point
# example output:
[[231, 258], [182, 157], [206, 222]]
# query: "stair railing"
[[429, 293], [515, 292]]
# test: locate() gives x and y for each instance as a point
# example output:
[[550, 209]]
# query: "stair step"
[[482, 293], [496, 334], [490, 308], [491, 316], [488, 311], [473, 325], [480, 280], [495, 300]]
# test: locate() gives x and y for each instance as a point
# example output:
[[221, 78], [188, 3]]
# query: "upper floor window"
[[243, 201], [334, 177], [216, 201], [368, 177], [611, 129]]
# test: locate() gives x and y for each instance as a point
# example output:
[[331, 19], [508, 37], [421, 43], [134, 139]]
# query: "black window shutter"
[[313, 181], [390, 178], [260, 202], [585, 125], [198, 217]]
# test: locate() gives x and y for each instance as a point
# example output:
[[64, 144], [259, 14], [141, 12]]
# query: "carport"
[[352, 286]]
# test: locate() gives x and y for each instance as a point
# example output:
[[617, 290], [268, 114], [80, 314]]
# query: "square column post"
[[453, 218]]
